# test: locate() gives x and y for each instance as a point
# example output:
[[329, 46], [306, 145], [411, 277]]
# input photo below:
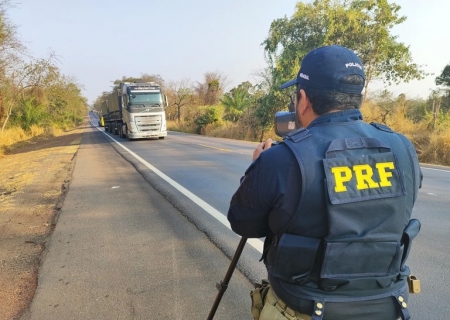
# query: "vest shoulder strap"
[[381, 127], [298, 135]]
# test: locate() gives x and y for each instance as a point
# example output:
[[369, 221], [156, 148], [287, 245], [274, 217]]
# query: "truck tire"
[[161, 138], [127, 135], [123, 131]]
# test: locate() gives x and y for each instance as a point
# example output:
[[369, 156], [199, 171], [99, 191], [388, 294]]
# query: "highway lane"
[[210, 168], [430, 257]]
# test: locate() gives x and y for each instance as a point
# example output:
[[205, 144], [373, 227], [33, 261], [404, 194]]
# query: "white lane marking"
[[255, 243], [434, 169]]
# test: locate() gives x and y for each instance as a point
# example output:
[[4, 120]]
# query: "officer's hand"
[[261, 147]]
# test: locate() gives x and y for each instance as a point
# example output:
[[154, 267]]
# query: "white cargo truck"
[[136, 111]]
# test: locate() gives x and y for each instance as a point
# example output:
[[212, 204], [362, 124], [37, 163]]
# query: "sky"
[[99, 41]]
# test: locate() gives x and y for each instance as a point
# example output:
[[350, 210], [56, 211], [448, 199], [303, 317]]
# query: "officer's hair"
[[325, 100]]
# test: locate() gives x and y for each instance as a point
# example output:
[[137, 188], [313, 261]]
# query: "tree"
[[444, 78], [386, 106], [180, 94], [10, 51], [10, 46], [266, 107], [27, 75], [435, 102], [30, 114], [211, 89], [237, 101], [206, 117], [32, 90], [362, 25], [65, 103], [268, 99]]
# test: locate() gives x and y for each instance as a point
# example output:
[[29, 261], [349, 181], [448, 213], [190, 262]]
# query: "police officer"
[[333, 201]]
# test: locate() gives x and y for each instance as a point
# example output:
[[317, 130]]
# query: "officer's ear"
[[303, 102], [305, 112]]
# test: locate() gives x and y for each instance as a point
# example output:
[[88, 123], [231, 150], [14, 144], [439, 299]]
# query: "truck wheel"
[[161, 138], [127, 135], [123, 131]]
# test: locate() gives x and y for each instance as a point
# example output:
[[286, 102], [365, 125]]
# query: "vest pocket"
[[295, 257], [350, 260]]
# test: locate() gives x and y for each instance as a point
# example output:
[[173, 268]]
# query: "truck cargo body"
[[137, 110]]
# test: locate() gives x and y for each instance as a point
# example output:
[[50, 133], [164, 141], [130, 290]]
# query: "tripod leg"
[[223, 284]]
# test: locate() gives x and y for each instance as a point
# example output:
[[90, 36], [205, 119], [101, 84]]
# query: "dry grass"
[[16, 137], [437, 149], [33, 182], [433, 146], [183, 126], [227, 129]]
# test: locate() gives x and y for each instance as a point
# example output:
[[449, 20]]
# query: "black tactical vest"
[[359, 182]]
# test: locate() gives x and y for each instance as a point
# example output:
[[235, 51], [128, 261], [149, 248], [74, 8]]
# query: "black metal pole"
[[223, 284]]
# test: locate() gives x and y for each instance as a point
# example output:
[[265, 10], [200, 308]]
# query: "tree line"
[[247, 110], [33, 91]]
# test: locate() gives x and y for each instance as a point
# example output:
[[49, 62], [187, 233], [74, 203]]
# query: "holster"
[[258, 295]]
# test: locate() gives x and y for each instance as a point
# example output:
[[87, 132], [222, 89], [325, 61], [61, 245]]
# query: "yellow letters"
[[341, 175], [363, 176], [384, 175]]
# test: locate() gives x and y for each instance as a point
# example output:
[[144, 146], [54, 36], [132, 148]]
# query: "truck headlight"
[[133, 127]]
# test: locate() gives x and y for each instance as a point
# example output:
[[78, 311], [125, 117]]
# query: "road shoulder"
[[33, 183]]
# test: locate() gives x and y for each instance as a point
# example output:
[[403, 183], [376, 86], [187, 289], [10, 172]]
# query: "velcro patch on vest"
[[366, 177]]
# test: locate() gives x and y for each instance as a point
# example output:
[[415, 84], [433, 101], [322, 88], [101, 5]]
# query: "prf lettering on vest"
[[363, 173]]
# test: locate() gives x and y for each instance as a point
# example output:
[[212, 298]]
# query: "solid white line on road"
[[434, 169], [255, 243]]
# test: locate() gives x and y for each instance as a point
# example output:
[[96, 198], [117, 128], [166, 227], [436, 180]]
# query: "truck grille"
[[148, 123]]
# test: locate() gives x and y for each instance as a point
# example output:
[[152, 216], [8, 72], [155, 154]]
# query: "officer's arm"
[[248, 215]]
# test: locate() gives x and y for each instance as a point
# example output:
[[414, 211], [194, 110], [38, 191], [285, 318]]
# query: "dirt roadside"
[[34, 180]]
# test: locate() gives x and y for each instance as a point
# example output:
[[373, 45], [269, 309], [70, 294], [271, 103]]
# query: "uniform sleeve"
[[261, 194], [247, 215]]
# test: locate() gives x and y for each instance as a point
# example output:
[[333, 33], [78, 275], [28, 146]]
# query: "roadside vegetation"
[[37, 100], [247, 111]]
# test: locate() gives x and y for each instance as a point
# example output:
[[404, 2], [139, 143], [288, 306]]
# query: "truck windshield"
[[145, 97]]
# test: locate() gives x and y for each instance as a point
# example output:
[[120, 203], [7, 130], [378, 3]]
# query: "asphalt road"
[[197, 175], [210, 168], [120, 250]]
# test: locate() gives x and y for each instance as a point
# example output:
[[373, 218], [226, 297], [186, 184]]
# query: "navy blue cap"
[[324, 67]]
